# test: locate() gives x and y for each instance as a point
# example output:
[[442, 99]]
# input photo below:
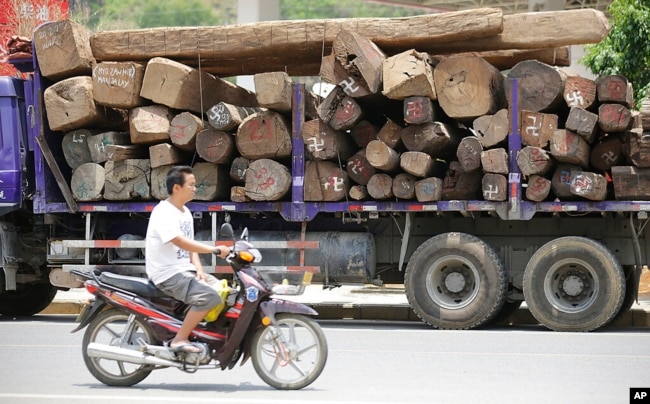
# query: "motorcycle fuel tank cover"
[[252, 293]]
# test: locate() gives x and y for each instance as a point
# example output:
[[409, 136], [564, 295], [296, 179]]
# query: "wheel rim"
[[113, 331], [295, 360], [571, 285], [452, 282]]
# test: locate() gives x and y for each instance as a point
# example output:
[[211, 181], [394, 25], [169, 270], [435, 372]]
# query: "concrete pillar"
[[249, 11]]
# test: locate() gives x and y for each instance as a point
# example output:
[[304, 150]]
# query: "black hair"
[[177, 175]]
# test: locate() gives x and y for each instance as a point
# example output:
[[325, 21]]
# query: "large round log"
[[380, 186], [87, 182], [325, 143], [325, 181], [382, 157], [264, 135], [541, 87], [215, 146], [183, 130], [75, 147], [212, 182], [267, 180], [359, 169], [404, 186]]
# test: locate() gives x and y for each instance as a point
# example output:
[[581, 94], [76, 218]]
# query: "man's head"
[[179, 178]]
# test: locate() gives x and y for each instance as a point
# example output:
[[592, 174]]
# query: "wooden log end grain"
[[537, 128], [238, 194], [164, 154], [541, 86], [215, 146], [212, 181], [159, 181], [416, 163], [494, 187], [469, 153], [238, 169], [637, 147], [267, 180], [616, 89], [361, 58], [408, 74], [614, 118], [607, 153], [404, 186], [324, 143], [264, 135], [359, 169], [75, 147], [382, 157], [538, 188], [631, 183], [588, 185], [380, 186], [87, 183], [63, 49], [495, 161], [150, 124], [118, 84], [492, 129], [274, 90], [568, 147], [128, 180], [418, 109], [584, 123], [533, 160], [358, 192], [325, 181], [97, 144], [580, 92], [183, 129], [460, 185], [428, 189], [561, 181]]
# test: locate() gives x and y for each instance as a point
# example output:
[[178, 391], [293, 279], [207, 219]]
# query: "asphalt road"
[[369, 362]]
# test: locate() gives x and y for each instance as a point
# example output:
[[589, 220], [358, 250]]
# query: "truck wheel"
[[27, 300], [573, 284], [455, 281]]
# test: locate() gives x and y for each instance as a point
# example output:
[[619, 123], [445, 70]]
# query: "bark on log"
[[212, 182], [382, 157], [428, 189], [637, 147], [588, 185], [165, 154], [568, 147], [150, 124], [215, 146], [580, 92], [183, 130], [469, 153], [408, 74], [537, 128], [495, 187], [584, 123], [87, 183], [615, 89], [127, 180], [324, 143], [267, 180], [70, 105], [116, 152], [264, 135], [461, 185], [226, 117], [561, 181], [380, 186], [541, 86], [538, 188], [359, 169], [274, 91], [325, 181], [495, 161], [361, 58], [614, 118], [118, 84], [97, 144], [631, 183], [468, 87], [404, 186], [533, 160], [273, 45], [75, 147], [238, 169], [607, 153], [63, 49], [492, 130]]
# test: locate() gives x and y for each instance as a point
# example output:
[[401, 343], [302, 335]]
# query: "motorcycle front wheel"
[[112, 327], [291, 354]]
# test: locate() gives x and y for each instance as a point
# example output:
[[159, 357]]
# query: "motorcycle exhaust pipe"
[[103, 351]]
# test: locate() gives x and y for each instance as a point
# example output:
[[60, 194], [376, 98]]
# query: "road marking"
[[167, 398]]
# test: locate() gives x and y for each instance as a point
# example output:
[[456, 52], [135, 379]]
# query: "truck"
[[463, 263]]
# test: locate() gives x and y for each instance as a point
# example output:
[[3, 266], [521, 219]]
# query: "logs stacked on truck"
[[400, 123]]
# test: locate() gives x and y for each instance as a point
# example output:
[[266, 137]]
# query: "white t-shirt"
[[163, 258]]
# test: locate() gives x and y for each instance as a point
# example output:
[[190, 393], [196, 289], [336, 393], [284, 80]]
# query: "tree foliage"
[[626, 48]]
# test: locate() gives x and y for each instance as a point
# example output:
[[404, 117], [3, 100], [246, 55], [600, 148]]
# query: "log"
[[495, 187], [325, 181], [541, 86], [588, 185], [631, 183], [568, 147], [404, 186], [645, 114], [607, 153], [264, 135], [339, 111], [428, 189], [226, 117], [495, 161], [418, 109], [267, 180], [274, 91], [416, 163], [238, 169], [637, 147], [358, 192], [469, 153], [380, 186], [461, 185], [382, 157], [537, 128], [63, 50], [127, 180], [561, 181], [364, 132], [468, 87], [238, 194], [150, 124], [159, 181], [505, 59], [361, 58], [359, 169], [408, 74], [87, 183], [492, 130], [182, 87], [118, 84], [584, 123], [580, 92], [614, 118], [331, 71], [70, 105], [538, 188], [165, 154], [215, 146], [212, 182], [75, 147], [273, 45], [533, 160], [97, 144], [616, 89], [391, 134], [115, 152], [435, 138], [183, 130], [324, 143]]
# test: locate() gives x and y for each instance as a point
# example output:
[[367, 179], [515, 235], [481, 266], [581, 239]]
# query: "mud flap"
[[88, 313]]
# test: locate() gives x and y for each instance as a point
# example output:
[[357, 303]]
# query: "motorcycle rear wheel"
[[305, 352], [111, 327]]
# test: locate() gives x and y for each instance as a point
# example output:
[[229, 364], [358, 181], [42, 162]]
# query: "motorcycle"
[[130, 323]]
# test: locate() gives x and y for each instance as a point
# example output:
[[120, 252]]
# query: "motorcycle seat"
[[140, 286]]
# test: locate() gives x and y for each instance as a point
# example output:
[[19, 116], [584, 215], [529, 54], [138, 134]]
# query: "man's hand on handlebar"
[[222, 251]]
